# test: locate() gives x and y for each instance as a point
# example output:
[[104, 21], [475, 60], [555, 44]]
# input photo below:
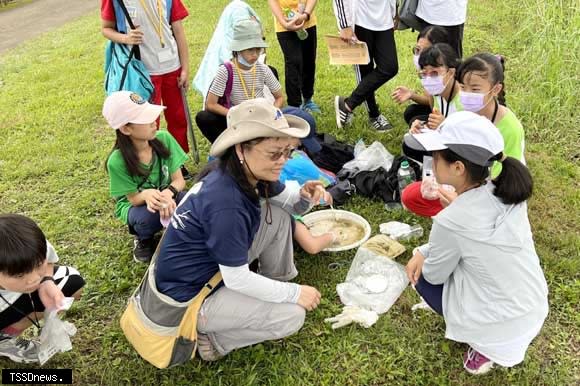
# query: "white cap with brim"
[[247, 34], [467, 134], [123, 107], [257, 118]]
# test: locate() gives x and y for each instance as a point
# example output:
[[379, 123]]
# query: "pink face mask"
[[433, 85], [472, 101]]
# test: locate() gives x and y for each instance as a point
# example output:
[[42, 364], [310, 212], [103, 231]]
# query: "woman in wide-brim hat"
[[238, 212]]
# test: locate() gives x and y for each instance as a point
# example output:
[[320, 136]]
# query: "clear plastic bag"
[[374, 282], [55, 335], [368, 159]]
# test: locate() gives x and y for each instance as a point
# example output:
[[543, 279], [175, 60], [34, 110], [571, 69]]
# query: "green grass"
[[54, 142]]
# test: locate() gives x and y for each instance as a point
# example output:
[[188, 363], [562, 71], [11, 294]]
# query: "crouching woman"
[[236, 213], [480, 269]]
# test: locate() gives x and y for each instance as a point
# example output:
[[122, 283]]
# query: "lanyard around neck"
[[157, 24], [248, 96], [494, 112]]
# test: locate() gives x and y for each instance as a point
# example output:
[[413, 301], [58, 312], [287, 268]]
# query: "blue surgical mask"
[[416, 61], [243, 61], [433, 85], [472, 101]]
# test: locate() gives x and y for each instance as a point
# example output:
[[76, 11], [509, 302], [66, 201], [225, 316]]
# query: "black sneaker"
[[380, 123], [343, 115], [143, 250], [185, 173]]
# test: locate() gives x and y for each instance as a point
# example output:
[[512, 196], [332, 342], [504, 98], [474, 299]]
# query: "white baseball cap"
[[467, 134], [257, 118], [122, 107]]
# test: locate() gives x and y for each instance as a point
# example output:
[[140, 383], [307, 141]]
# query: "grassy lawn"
[[54, 144]]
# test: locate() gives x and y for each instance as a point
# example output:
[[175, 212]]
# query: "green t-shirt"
[[454, 106], [512, 132], [122, 183]]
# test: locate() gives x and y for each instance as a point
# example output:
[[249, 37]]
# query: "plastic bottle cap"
[[405, 164]]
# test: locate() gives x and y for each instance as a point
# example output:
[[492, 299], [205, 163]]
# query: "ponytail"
[[514, 184]]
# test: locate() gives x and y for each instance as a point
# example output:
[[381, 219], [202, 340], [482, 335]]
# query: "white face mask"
[[243, 61], [416, 61]]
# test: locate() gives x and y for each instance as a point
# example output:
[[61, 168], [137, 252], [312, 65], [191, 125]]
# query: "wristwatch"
[[173, 190]]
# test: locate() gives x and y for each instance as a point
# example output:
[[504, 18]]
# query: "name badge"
[[165, 55]]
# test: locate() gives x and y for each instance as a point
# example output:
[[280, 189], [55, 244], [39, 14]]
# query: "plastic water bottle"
[[405, 175], [290, 14]]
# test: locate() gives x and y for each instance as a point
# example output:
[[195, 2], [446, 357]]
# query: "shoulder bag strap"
[[136, 51]]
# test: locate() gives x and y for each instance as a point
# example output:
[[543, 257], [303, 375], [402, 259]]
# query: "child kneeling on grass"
[[29, 282], [144, 169], [480, 269]]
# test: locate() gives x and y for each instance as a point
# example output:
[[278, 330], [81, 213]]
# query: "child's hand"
[[414, 267], [446, 196], [153, 199], [50, 295], [401, 94], [134, 36], [347, 35], [296, 23], [168, 205], [435, 119], [183, 80], [417, 126]]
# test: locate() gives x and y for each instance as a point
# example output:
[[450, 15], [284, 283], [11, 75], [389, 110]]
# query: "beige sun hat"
[[257, 118], [247, 34]]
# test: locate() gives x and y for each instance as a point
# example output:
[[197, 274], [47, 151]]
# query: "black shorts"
[[68, 279]]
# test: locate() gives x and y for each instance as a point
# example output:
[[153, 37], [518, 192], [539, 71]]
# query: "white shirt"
[[375, 15], [442, 12]]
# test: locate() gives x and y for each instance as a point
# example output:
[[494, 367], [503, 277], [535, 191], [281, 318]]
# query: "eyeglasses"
[[275, 156], [256, 50], [417, 50], [429, 74]]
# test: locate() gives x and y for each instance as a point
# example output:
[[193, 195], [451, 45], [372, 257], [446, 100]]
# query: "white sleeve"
[[290, 199], [51, 255], [242, 280], [343, 13]]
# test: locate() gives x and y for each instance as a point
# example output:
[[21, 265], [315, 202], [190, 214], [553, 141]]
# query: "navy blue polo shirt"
[[215, 224]]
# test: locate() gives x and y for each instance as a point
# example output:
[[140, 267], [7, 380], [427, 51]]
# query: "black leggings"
[[210, 124], [382, 67]]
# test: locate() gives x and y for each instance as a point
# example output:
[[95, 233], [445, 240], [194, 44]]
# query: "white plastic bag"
[[368, 159], [374, 282], [55, 335]]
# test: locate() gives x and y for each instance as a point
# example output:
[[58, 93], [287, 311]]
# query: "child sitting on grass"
[[29, 282], [144, 169]]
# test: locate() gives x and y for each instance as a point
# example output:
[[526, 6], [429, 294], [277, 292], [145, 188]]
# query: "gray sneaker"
[[18, 349], [380, 123]]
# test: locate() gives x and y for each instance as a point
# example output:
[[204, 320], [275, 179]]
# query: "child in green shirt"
[[144, 169]]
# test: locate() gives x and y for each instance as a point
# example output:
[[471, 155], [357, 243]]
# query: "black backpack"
[[333, 155], [381, 183]]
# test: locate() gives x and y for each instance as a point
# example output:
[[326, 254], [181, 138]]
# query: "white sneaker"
[[18, 349]]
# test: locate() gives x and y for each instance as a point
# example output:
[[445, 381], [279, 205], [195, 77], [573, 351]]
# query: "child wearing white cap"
[[144, 169], [480, 269]]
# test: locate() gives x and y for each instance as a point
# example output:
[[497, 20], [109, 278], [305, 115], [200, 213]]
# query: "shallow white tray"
[[329, 214]]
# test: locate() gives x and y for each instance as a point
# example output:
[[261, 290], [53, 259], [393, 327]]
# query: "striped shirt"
[[264, 77]]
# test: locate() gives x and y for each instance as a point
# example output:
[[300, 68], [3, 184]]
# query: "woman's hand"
[[414, 267], [309, 297], [435, 119], [401, 94], [314, 191], [153, 199], [50, 295]]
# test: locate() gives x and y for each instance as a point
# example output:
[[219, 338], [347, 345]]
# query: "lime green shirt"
[[122, 183], [512, 132], [454, 106]]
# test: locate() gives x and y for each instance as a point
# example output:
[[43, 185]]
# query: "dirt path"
[[30, 20]]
